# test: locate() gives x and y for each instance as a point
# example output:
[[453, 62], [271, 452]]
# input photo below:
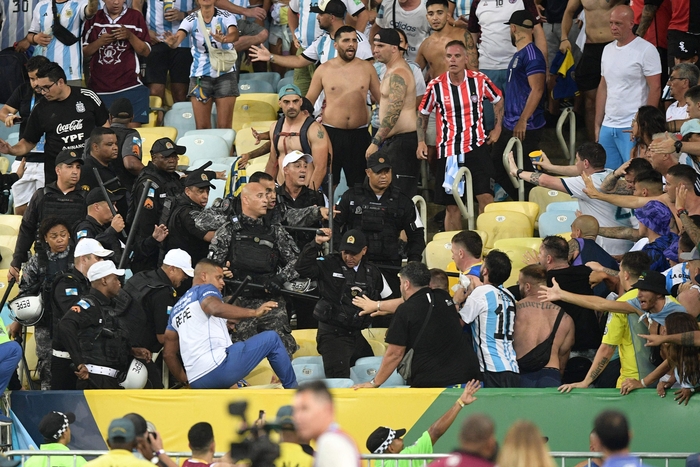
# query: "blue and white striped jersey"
[[157, 23], [677, 275], [322, 48], [462, 8], [72, 14], [242, 4], [309, 29], [219, 24], [16, 19], [491, 312]]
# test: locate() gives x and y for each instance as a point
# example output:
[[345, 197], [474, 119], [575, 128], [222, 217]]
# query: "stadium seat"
[[438, 254], [9, 224], [532, 243], [377, 334], [315, 359], [6, 131], [4, 165], [7, 248], [365, 372], [337, 383], [261, 374], [378, 347], [150, 136], [155, 105], [308, 371], [181, 117], [226, 134], [3, 285], [204, 147], [283, 82], [504, 224], [289, 74], [254, 108], [516, 248], [544, 197], [253, 86], [306, 347], [271, 77], [447, 236], [308, 334], [369, 361], [530, 209], [563, 206], [555, 222]]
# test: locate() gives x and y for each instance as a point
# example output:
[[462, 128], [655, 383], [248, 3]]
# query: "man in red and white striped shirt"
[[457, 97]]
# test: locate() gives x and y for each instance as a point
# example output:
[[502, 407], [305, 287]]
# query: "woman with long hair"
[[646, 123], [524, 446]]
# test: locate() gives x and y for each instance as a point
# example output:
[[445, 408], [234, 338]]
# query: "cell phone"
[[261, 415]]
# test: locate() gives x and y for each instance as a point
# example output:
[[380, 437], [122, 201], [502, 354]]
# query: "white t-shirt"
[[625, 70], [335, 448], [608, 215], [203, 338], [414, 23], [677, 113]]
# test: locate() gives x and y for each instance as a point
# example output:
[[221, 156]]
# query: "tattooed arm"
[[613, 184], [391, 108], [648, 14], [320, 151], [690, 227], [472, 52], [536, 178], [574, 250], [624, 233], [421, 128], [689, 339], [601, 360]]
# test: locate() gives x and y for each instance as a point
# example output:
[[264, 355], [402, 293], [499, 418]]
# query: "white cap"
[[180, 259], [103, 269], [90, 246], [295, 156]]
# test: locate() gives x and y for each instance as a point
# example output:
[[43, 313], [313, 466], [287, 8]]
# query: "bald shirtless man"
[[598, 35], [397, 134], [345, 81], [543, 333]]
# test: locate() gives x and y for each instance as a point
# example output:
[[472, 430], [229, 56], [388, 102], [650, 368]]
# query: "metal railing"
[[422, 207], [468, 210], [519, 184], [569, 149]]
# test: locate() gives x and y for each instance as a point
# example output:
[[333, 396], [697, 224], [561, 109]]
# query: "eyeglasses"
[[44, 89], [673, 78]]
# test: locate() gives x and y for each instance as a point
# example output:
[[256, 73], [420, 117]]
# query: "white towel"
[[451, 169]]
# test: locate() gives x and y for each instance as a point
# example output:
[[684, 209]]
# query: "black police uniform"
[[105, 234], [339, 339], [306, 198], [129, 144], [93, 337], [67, 290], [88, 181]]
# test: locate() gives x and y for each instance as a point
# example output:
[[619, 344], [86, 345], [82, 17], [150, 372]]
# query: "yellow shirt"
[[292, 455], [118, 458], [617, 333]]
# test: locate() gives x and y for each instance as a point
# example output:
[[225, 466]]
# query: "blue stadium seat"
[[556, 222], [206, 147], [338, 382], [271, 77], [285, 81], [308, 372], [253, 86], [180, 117]]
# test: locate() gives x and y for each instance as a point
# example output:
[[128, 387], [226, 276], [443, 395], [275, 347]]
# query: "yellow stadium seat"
[[530, 209], [438, 254], [150, 136], [261, 374], [516, 248], [378, 348], [308, 334], [504, 224], [544, 196], [9, 224], [3, 285], [254, 108], [7, 248], [307, 347], [4, 165], [377, 334], [532, 243], [448, 236], [155, 104]]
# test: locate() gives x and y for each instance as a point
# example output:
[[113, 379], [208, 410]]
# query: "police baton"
[[10, 284], [106, 194], [239, 290], [283, 291], [132, 232]]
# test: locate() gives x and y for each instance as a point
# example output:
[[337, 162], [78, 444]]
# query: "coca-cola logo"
[[72, 126]]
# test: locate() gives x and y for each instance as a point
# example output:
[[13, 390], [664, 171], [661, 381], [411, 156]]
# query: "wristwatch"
[[682, 211], [679, 146], [272, 58], [373, 383], [518, 172]]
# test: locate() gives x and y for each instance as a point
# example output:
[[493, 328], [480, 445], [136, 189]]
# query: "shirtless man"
[[397, 134], [543, 333], [598, 35], [432, 51], [345, 81], [285, 137]]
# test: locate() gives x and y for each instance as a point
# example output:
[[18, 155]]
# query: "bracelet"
[[643, 383], [461, 404], [564, 40], [373, 383], [518, 172], [680, 212], [272, 58], [160, 452], [31, 41]]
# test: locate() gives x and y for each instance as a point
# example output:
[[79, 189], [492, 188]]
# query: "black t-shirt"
[[574, 279], [67, 123], [183, 233], [129, 142], [21, 99], [443, 356], [88, 181]]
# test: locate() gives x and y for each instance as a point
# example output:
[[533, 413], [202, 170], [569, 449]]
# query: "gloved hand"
[[274, 285]]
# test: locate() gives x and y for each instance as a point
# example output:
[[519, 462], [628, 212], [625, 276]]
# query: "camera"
[[256, 446]]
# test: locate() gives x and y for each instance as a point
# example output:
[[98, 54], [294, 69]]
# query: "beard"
[[512, 39], [347, 56]]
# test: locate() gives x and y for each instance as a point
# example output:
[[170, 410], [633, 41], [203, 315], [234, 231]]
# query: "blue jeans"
[[544, 378], [499, 78], [617, 145], [10, 355], [243, 356]]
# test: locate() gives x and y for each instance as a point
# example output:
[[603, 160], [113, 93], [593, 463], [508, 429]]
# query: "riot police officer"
[[100, 224], [381, 212], [98, 347], [341, 277], [267, 253], [62, 197], [68, 287]]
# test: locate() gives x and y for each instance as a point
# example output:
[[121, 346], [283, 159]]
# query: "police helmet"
[[135, 377], [27, 310]]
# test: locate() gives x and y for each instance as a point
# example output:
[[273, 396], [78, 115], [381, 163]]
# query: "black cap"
[[353, 241], [522, 18], [332, 7], [652, 281], [68, 157], [54, 424], [684, 50], [381, 438], [121, 108], [199, 179], [377, 162], [388, 36], [166, 147], [96, 195]]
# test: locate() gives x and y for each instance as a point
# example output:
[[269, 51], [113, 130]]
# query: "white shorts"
[[431, 131], [31, 181]]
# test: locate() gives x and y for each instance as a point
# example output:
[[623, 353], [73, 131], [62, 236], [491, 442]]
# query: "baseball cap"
[[121, 430], [199, 179], [284, 418], [121, 108], [166, 147], [377, 162], [103, 269], [96, 195], [652, 281], [683, 50], [690, 127], [295, 156], [388, 36], [68, 157], [54, 424], [90, 246], [289, 90], [353, 241], [691, 255], [331, 7], [180, 259], [381, 438], [522, 18]]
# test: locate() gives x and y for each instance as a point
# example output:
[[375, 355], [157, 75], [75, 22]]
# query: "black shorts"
[[401, 151], [163, 59], [588, 68], [349, 148], [690, 42], [479, 164]]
